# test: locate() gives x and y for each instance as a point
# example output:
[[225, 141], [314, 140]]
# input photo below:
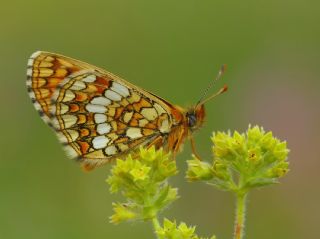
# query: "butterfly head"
[[195, 116]]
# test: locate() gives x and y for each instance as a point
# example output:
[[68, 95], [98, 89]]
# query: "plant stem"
[[240, 215], [156, 226]]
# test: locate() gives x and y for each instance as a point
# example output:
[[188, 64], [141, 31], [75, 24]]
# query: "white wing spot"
[[100, 101], [100, 142], [90, 78], [78, 85], [96, 108], [122, 90], [103, 128], [29, 82], [100, 118], [29, 72], [110, 94], [30, 62], [111, 150]]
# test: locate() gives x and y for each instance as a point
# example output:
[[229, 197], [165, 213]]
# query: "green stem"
[[240, 215], [156, 226]]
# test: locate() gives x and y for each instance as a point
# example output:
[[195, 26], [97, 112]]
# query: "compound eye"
[[192, 120]]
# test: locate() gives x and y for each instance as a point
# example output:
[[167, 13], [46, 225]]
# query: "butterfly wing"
[[97, 115], [45, 72]]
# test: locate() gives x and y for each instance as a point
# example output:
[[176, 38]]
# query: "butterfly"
[[98, 116]]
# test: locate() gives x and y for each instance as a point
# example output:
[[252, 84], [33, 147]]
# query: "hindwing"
[[97, 115]]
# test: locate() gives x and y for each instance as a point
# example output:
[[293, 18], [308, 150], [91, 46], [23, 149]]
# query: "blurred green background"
[[172, 48]]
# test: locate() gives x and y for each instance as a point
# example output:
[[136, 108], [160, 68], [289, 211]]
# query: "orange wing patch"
[[45, 72]]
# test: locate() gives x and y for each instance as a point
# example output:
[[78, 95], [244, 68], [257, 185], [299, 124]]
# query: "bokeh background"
[[174, 49]]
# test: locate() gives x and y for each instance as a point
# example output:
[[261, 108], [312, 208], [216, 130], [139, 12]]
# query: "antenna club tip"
[[224, 89], [223, 68]]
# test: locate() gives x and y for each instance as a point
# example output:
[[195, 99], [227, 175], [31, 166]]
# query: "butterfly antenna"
[[222, 90], [202, 100]]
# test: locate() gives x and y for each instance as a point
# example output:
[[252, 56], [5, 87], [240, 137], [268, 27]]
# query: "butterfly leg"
[[178, 142], [157, 142], [193, 147]]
